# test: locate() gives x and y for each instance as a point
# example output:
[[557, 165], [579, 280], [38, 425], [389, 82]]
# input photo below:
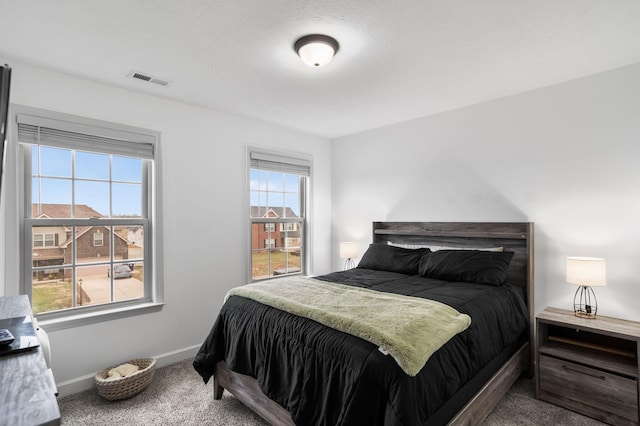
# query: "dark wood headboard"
[[512, 236]]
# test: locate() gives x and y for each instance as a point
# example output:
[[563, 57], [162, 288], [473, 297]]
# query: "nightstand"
[[589, 365]]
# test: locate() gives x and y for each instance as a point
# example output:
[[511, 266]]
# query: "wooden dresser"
[[27, 389], [589, 365]]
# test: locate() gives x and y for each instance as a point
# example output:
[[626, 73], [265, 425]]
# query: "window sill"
[[86, 318]]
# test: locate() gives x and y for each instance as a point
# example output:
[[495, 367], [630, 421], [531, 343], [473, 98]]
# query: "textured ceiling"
[[398, 59]]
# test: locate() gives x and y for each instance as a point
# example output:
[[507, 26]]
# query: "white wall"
[[566, 157], [204, 196]]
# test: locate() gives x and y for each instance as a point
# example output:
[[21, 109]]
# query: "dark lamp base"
[[585, 304]]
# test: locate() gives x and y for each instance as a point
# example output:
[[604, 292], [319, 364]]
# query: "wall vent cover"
[[149, 78]]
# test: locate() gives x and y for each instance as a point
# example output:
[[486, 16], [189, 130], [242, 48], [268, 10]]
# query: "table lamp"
[[586, 272], [348, 251]]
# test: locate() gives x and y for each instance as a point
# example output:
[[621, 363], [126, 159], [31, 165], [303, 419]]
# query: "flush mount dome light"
[[316, 50]]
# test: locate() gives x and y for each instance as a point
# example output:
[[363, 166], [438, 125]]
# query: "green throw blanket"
[[409, 328]]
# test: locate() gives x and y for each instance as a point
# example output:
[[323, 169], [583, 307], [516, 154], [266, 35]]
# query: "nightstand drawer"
[[584, 389]]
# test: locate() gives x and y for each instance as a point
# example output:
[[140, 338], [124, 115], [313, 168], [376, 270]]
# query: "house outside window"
[[91, 183], [277, 213]]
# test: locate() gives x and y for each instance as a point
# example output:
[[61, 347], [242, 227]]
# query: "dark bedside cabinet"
[[589, 365]]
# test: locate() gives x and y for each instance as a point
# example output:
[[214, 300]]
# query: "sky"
[[60, 175], [274, 189]]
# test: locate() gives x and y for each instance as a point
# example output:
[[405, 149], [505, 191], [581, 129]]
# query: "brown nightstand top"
[[602, 324]]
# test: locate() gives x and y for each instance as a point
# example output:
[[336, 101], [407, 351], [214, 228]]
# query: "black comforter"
[[326, 377]]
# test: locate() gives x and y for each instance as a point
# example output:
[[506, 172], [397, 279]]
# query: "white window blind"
[[64, 134], [279, 163]]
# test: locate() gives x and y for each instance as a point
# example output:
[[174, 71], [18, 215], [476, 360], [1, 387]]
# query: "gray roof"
[[262, 211]]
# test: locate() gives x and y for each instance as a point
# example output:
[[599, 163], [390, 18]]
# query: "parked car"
[[120, 271]]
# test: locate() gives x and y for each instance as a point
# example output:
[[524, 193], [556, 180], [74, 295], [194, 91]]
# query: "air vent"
[[160, 82], [141, 76], [146, 77]]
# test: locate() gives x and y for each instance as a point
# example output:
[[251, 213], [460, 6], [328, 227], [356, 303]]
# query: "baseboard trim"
[[86, 382]]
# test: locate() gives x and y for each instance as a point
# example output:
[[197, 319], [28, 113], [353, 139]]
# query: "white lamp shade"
[[586, 271], [348, 250], [316, 54]]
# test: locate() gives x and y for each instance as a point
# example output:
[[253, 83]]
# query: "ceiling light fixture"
[[316, 50]]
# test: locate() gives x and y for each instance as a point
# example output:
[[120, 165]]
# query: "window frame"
[[295, 160], [151, 220]]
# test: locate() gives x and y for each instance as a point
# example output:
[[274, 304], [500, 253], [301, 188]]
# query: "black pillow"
[[474, 266], [383, 257]]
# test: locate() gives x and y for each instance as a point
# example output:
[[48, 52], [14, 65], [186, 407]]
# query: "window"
[[44, 240], [49, 240], [90, 183], [288, 226], [98, 241], [277, 213]]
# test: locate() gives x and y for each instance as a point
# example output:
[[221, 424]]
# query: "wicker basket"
[[127, 386]]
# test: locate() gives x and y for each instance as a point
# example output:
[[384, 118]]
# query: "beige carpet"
[[177, 396]]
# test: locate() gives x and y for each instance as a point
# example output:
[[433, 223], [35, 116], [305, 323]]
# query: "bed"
[[293, 370]]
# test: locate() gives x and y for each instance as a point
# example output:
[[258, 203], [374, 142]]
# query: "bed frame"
[[513, 236]]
